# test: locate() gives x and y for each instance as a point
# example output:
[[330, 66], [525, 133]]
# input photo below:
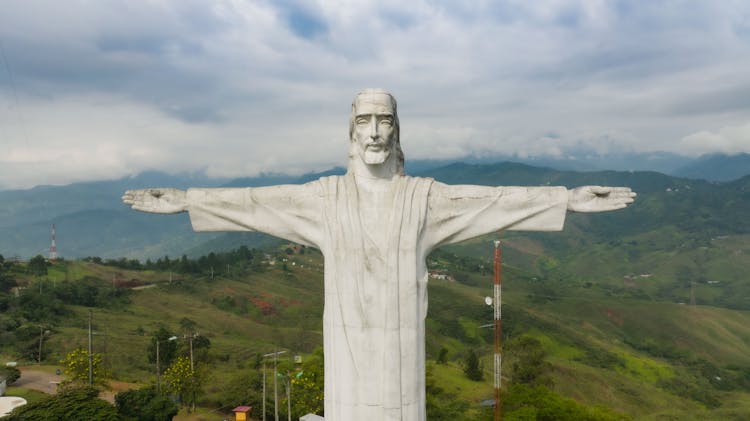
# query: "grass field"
[[624, 352]]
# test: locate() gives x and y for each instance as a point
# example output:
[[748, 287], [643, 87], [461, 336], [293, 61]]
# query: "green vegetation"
[[578, 344], [9, 374], [144, 405], [472, 369], [75, 404], [76, 367]]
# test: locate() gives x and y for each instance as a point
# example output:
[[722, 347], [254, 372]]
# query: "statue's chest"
[[376, 215]]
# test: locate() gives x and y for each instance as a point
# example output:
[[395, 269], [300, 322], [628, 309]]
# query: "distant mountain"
[[91, 220], [577, 160], [716, 167]]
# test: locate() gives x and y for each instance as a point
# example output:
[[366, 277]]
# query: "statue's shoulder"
[[419, 181]]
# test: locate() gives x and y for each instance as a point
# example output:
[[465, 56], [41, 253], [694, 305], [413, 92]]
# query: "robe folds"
[[375, 272]]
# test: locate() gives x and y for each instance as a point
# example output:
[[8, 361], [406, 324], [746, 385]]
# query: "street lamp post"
[[275, 384], [158, 371], [288, 396]]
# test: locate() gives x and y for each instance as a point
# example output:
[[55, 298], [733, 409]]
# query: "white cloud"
[[728, 140], [111, 88]]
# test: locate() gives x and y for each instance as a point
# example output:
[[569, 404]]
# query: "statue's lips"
[[377, 147]]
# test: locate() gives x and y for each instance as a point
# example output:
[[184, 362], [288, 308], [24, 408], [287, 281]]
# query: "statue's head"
[[374, 130]]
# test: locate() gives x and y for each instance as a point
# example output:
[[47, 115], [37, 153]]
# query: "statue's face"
[[374, 127]]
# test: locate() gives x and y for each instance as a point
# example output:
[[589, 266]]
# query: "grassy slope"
[[572, 325]]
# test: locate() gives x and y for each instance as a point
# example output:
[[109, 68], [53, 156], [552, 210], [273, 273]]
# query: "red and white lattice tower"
[[52, 246]]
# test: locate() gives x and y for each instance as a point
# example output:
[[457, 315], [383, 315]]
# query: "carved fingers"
[[162, 200], [599, 199]]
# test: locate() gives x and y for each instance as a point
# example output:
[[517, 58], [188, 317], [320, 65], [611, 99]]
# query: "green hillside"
[[617, 348]]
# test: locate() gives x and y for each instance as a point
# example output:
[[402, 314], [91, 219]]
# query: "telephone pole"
[[498, 332], [91, 354]]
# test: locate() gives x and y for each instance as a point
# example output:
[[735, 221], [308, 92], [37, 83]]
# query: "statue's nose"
[[374, 130]]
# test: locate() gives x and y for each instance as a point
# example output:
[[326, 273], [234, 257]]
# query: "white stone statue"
[[375, 227]]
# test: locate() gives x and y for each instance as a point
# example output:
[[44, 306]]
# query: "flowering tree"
[[307, 386], [183, 381], [76, 366]]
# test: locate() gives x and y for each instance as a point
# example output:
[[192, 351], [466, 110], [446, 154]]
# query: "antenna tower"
[[52, 246]]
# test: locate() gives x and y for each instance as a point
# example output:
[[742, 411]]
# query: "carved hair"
[[399, 154]]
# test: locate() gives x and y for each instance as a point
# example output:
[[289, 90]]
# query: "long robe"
[[375, 270]]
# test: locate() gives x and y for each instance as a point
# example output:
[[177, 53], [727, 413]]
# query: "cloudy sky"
[[99, 89]]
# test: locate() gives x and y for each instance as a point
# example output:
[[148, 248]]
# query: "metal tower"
[[52, 246]]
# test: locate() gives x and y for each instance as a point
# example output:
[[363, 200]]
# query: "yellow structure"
[[241, 413]]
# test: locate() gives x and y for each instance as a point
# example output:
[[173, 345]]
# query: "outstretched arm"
[[599, 199], [458, 213], [291, 212], [162, 200]]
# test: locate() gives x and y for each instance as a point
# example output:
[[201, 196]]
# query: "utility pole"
[[41, 337], [692, 293], [91, 354], [264, 389], [275, 383], [288, 397], [192, 365], [498, 332], [192, 368], [158, 374], [275, 387]]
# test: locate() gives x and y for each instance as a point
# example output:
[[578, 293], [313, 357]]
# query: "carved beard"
[[376, 156]]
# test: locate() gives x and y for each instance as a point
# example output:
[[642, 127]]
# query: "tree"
[[38, 265], [145, 405], [442, 356], [307, 386], [183, 381], [472, 368], [70, 404], [529, 362], [167, 348], [243, 388], [188, 326], [76, 366]]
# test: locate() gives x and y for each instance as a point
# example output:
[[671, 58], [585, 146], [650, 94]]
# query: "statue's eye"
[[386, 122], [362, 120]]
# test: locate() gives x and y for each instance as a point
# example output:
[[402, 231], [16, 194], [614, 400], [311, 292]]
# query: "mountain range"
[[90, 219]]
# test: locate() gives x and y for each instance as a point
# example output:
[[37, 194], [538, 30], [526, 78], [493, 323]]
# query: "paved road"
[[38, 380]]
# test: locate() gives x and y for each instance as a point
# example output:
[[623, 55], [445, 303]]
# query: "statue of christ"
[[375, 226]]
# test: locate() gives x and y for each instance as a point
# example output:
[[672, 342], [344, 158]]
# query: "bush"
[[10, 374], [145, 405], [73, 404], [522, 402]]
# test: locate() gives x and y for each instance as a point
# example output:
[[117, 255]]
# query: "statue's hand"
[[599, 199], [156, 200]]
